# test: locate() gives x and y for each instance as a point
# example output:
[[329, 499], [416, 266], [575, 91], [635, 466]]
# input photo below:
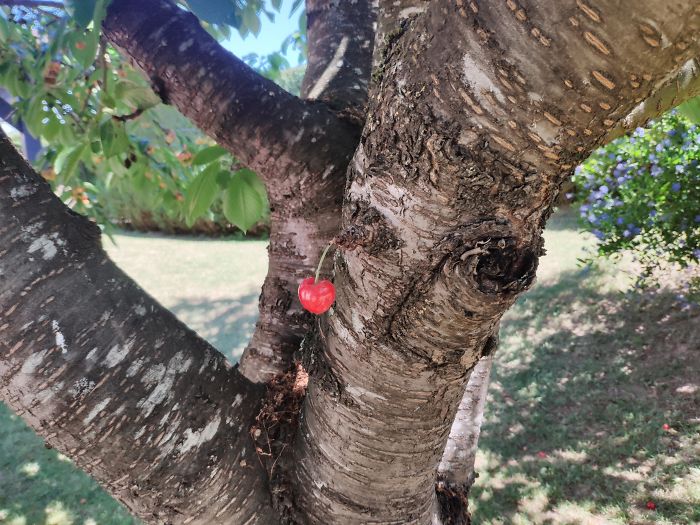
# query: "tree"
[[433, 172]]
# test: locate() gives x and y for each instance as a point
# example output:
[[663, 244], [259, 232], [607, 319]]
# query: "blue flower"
[[671, 132], [620, 220], [697, 218], [604, 190], [680, 168], [696, 254], [652, 213], [676, 186], [600, 235], [656, 171], [626, 233], [659, 148]]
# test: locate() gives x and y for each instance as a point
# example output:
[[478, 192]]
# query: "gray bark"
[[449, 191], [112, 379], [480, 112]]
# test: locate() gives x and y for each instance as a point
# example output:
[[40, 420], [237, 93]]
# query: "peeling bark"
[[112, 379], [341, 40], [452, 184], [456, 472], [480, 112]]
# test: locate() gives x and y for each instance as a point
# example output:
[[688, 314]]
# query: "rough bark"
[[341, 39], [481, 110], [450, 189], [456, 472], [112, 379], [300, 148]]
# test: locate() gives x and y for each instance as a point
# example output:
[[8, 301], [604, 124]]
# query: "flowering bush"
[[642, 193]]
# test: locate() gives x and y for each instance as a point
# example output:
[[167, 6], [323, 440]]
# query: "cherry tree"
[[428, 146]]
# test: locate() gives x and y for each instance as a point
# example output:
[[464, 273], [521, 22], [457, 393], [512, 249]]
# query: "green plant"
[[642, 193]]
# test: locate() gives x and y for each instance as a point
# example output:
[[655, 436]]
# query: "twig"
[[129, 116]]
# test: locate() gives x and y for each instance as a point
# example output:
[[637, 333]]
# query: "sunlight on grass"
[[57, 514], [30, 469]]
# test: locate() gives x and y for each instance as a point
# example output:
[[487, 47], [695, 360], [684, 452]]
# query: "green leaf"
[[201, 193], [243, 204], [251, 21], [86, 11], [67, 161], [114, 138], [134, 95], [214, 11], [4, 30], [208, 155], [83, 46], [691, 110], [34, 115]]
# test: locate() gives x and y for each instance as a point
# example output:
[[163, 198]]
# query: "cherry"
[[666, 426], [651, 505], [317, 296]]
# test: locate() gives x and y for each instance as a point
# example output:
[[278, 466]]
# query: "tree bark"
[[480, 112], [300, 149], [112, 379], [456, 472], [450, 189]]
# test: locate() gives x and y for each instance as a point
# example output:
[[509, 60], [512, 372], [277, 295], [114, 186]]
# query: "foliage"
[[113, 151], [642, 193]]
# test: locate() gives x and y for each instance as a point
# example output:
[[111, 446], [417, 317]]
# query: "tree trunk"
[[478, 113]]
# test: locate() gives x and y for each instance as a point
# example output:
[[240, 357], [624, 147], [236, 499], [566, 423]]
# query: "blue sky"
[[271, 34]]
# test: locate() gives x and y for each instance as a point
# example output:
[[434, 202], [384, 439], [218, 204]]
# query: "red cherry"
[[316, 297], [651, 505], [541, 454], [666, 426]]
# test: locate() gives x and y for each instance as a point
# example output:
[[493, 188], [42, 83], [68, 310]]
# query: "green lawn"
[[585, 378]]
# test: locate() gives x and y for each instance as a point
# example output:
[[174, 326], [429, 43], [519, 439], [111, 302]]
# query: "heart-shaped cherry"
[[316, 297]]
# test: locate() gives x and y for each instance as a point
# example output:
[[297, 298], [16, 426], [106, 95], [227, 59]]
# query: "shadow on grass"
[[38, 486], [226, 324], [582, 387]]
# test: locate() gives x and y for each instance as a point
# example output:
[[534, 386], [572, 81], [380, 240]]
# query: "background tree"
[[477, 112]]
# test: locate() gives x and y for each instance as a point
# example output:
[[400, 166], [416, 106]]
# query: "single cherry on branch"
[[317, 296]]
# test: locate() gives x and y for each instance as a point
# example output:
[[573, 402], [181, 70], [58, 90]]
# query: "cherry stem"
[[320, 263]]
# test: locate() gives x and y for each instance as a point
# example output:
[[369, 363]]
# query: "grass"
[[585, 378]]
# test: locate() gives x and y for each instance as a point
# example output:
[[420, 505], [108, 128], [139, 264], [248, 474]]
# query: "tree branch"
[[480, 115], [341, 40], [268, 129], [110, 378], [680, 87]]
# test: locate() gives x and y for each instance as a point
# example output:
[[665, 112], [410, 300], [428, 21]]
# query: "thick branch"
[[683, 86], [341, 39], [340, 42], [268, 129], [112, 379], [480, 115]]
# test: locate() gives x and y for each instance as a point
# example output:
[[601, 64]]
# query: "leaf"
[[83, 47], [201, 193], [691, 110], [34, 115], [82, 11], [251, 21], [138, 96], [114, 138], [67, 161], [208, 155], [214, 11], [243, 204]]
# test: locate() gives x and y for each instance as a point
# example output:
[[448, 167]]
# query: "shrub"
[[641, 193]]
